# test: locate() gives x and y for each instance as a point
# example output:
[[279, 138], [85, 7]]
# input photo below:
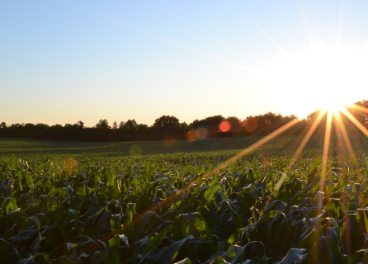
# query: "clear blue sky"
[[64, 61]]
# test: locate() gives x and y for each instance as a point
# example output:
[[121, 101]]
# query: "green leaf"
[[295, 256], [208, 194], [10, 205], [7, 251], [168, 255], [184, 261], [124, 239], [233, 239], [202, 227], [156, 241], [29, 180], [219, 260], [239, 251]]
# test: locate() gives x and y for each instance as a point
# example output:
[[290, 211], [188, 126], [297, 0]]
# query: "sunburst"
[[328, 78]]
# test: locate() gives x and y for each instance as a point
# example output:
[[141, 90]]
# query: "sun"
[[333, 106], [321, 78]]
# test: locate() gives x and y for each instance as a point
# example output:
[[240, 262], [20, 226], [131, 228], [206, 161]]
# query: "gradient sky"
[[65, 61]]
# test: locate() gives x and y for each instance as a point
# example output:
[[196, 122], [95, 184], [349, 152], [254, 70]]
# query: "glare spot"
[[250, 124], [70, 165], [191, 136], [169, 141], [135, 150], [201, 133], [225, 126]]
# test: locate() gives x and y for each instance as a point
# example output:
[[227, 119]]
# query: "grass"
[[109, 205], [36, 148]]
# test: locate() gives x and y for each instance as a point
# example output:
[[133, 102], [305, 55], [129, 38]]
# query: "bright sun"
[[333, 106], [326, 78]]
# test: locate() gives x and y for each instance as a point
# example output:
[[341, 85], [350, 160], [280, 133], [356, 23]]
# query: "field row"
[[168, 208]]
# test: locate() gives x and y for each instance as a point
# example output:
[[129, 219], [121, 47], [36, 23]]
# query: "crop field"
[[106, 203], [30, 149], [36, 148]]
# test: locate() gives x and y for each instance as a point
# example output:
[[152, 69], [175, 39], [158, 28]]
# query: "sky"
[[65, 61]]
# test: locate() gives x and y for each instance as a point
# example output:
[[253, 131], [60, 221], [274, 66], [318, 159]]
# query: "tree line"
[[169, 127]]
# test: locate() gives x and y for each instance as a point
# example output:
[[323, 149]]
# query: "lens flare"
[[169, 141], [135, 150], [225, 126], [70, 165], [201, 133]]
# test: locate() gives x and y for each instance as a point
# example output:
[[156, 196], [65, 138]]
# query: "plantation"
[[167, 208], [185, 132]]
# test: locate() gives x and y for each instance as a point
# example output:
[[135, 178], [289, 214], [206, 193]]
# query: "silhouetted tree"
[[130, 123], [103, 124], [80, 124], [121, 124], [168, 126], [166, 120], [235, 127]]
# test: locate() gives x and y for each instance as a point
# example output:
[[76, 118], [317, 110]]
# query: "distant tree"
[[235, 125], [214, 121], [165, 121], [166, 126], [250, 125], [211, 124], [363, 103], [80, 124], [272, 118], [130, 123], [361, 116], [313, 116], [3, 129], [128, 131], [57, 132], [121, 124], [102, 124]]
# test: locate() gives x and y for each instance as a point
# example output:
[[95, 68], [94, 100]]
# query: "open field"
[[37, 148], [67, 202]]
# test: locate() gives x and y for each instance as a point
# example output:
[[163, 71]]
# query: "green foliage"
[[175, 209]]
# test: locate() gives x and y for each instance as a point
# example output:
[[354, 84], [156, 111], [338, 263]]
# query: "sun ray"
[[344, 198], [301, 146], [308, 135], [358, 107], [230, 45], [326, 147], [305, 24], [317, 22], [355, 121], [175, 43], [340, 23], [200, 52], [341, 127], [222, 166], [258, 144], [262, 30]]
